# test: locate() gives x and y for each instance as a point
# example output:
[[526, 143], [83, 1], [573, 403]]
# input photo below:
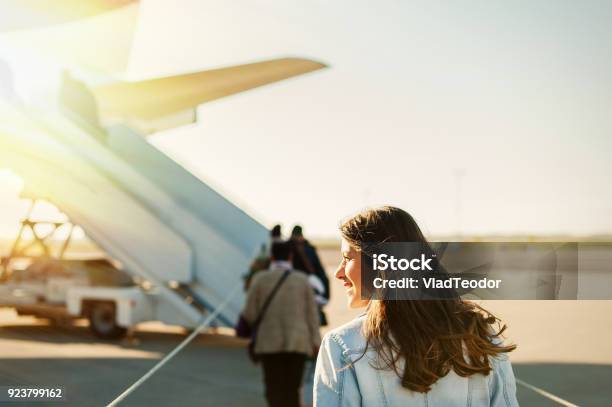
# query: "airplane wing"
[[101, 43], [27, 14], [175, 97]]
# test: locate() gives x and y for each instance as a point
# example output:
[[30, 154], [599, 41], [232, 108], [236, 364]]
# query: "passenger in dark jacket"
[[306, 259]]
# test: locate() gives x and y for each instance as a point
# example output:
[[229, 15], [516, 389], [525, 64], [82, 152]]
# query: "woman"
[[410, 352]]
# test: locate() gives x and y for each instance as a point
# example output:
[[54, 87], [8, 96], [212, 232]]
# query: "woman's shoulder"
[[349, 337]]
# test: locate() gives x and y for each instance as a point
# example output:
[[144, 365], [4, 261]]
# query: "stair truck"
[[175, 247]]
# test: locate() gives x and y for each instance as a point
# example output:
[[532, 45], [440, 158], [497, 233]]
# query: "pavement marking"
[[546, 394], [216, 312], [176, 350]]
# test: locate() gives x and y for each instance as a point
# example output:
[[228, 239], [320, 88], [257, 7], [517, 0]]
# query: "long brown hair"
[[430, 337]]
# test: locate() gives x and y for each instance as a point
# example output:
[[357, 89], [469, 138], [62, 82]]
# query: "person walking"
[[288, 329], [436, 352], [262, 261], [306, 259]]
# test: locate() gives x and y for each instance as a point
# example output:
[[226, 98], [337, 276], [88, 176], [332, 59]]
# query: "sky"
[[478, 117]]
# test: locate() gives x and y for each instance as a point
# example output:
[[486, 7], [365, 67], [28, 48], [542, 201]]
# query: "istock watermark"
[[486, 270]]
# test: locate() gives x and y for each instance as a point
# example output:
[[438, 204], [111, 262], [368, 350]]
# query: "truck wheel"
[[103, 321]]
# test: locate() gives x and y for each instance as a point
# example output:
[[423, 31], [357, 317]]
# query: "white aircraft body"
[[89, 156]]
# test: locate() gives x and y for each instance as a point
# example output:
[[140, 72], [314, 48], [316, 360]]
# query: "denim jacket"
[[339, 383]]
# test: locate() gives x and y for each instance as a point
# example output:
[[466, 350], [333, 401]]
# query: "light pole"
[[459, 173]]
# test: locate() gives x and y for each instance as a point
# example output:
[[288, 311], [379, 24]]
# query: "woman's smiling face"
[[349, 271]]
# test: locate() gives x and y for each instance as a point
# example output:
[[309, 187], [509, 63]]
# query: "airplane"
[[28, 14], [185, 245]]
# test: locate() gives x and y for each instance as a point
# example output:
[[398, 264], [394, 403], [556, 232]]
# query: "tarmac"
[[564, 348]]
